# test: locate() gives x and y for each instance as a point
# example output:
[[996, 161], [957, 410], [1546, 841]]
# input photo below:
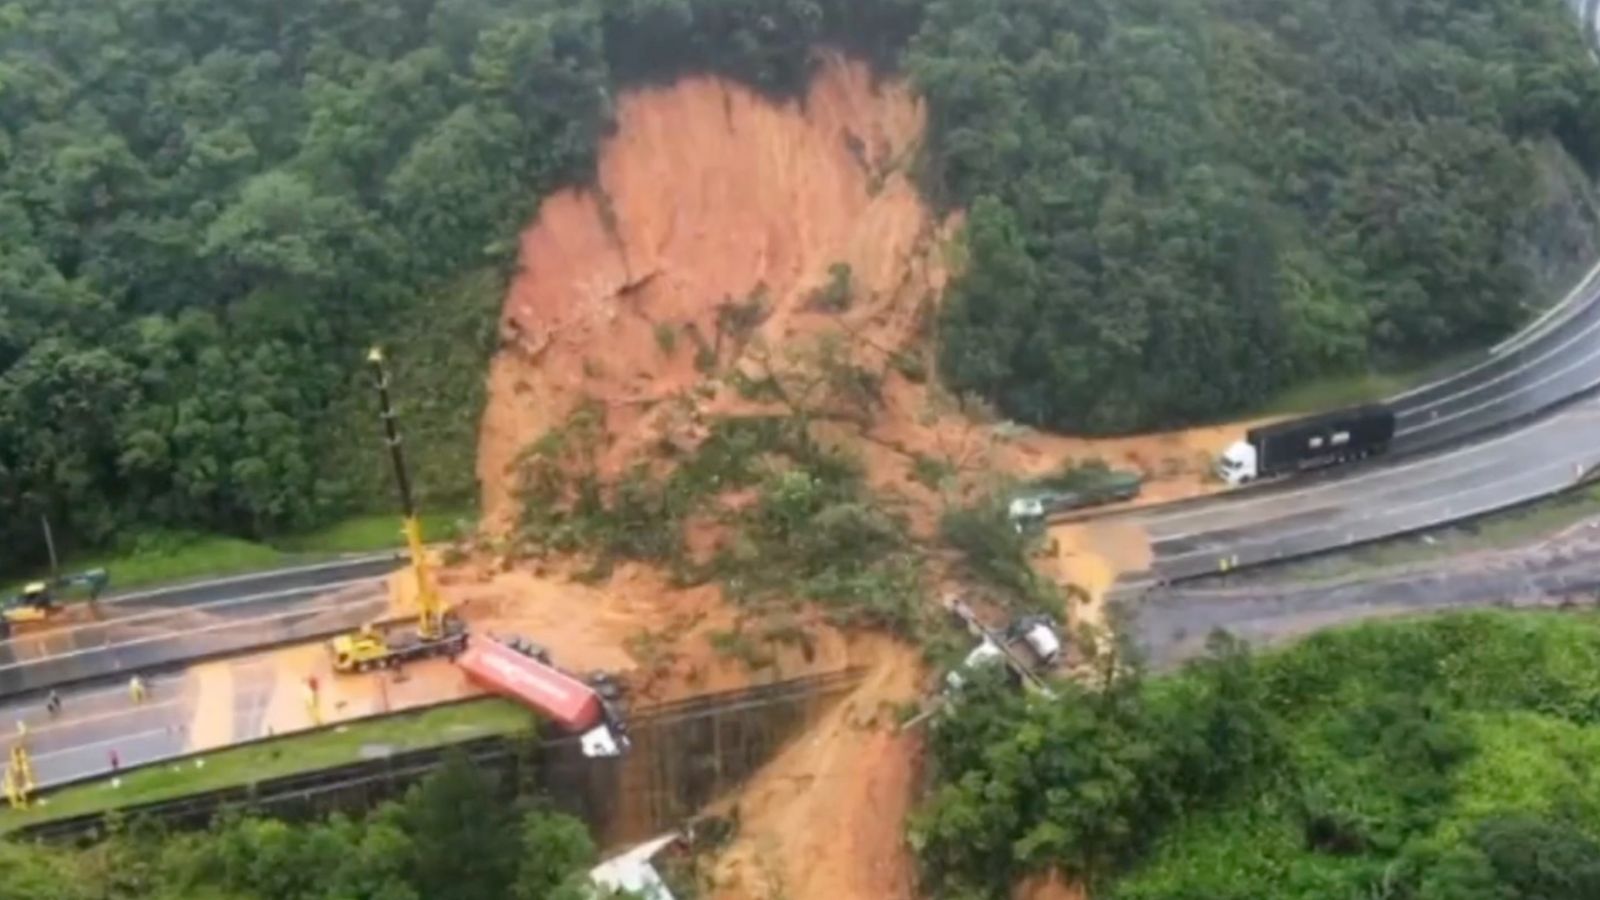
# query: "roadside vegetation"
[[147, 558], [455, 836], [1175, 213], [288, 755], [1432, 759]]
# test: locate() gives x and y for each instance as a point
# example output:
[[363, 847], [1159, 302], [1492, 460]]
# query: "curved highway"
[[1548, 456], [1551, 361], [1511, 400]]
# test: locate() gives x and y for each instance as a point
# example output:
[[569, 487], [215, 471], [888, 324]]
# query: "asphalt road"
[[1374, 502], [1492, 434], [163, 629], [1549, 362], [281, 581], [95, 723], [1171, 624]]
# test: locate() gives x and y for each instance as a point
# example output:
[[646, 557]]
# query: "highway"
[[208, 707], [159, 628], [1549, 362], [1548, 456], [1493, 434], [1171, 624]]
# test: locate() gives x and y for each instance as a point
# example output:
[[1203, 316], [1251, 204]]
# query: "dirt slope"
[[703, 249], [709, 195]]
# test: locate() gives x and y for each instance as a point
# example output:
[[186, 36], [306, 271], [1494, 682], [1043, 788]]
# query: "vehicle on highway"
[[523, 672], [436, 631], [1082, 486], [1309, 443], [39, 600]]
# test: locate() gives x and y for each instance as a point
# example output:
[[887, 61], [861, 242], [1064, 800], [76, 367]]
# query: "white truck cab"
[[1024, 512], [1238, 463], [985, 654]]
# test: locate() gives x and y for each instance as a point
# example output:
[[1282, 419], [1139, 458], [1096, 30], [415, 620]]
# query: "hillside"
[[1171, 213]]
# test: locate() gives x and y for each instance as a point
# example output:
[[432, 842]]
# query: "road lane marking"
[[57, 725], [1525, 336], [1373, 476], [169, 636], [107, 742], [314, 591], [1301, 511], [1440, 420], [1387, 512]]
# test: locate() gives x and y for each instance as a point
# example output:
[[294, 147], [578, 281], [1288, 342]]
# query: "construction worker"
[[136, 689]]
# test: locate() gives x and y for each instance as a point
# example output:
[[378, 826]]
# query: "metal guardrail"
[[61, 663], [367, 781]]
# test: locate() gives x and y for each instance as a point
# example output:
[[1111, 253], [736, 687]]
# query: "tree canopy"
[[1179, 208], [454, 835], [208, 210], [1428, 760]]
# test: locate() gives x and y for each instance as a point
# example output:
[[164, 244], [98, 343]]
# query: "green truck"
[[1077, 487]]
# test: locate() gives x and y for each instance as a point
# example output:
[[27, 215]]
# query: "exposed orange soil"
[[1091, 555], [825, 819], [709, 194], [708, 198]]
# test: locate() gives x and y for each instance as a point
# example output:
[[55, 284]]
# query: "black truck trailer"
[[1322, 440]]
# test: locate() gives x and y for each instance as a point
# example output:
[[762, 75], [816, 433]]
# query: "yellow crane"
[[436, 631]]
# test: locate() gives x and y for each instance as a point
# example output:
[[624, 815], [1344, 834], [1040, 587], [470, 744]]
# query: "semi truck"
[[522, 671], [1309, 443]]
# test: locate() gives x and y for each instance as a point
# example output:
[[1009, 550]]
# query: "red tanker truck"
[[523, 672]]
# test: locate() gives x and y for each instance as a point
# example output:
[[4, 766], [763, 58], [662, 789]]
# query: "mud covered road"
[[1171, 624]]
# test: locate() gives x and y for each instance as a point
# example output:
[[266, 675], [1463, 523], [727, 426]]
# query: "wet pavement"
[[152, 637], [1171, 624], [1373, 502]]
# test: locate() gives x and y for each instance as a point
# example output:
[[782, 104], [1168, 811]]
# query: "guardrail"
[[684, 754], [57, 659], [1540, 483]]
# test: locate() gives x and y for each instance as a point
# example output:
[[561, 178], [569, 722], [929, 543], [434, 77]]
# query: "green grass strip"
[[288, 755]]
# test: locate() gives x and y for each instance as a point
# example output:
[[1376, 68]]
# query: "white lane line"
[[314, 590], [1556, 350], [253, 576], [1384, 513], [237, 623], [105, 742], [1440, 420], [1371, 477], [1528, 333], [58, 725], [1522, 337]]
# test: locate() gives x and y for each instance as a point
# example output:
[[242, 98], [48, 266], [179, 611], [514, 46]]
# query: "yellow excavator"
[[436, 631], [40, 600]]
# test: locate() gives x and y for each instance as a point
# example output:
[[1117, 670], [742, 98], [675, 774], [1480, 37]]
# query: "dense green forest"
[[207, 210], [1179, 208], [1442, 759], [455, 836]]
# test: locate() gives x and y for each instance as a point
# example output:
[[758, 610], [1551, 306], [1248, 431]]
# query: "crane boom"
[[430, 608], [437, 632]]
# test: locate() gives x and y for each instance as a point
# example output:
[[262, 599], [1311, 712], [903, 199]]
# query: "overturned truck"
[[523, 672]]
